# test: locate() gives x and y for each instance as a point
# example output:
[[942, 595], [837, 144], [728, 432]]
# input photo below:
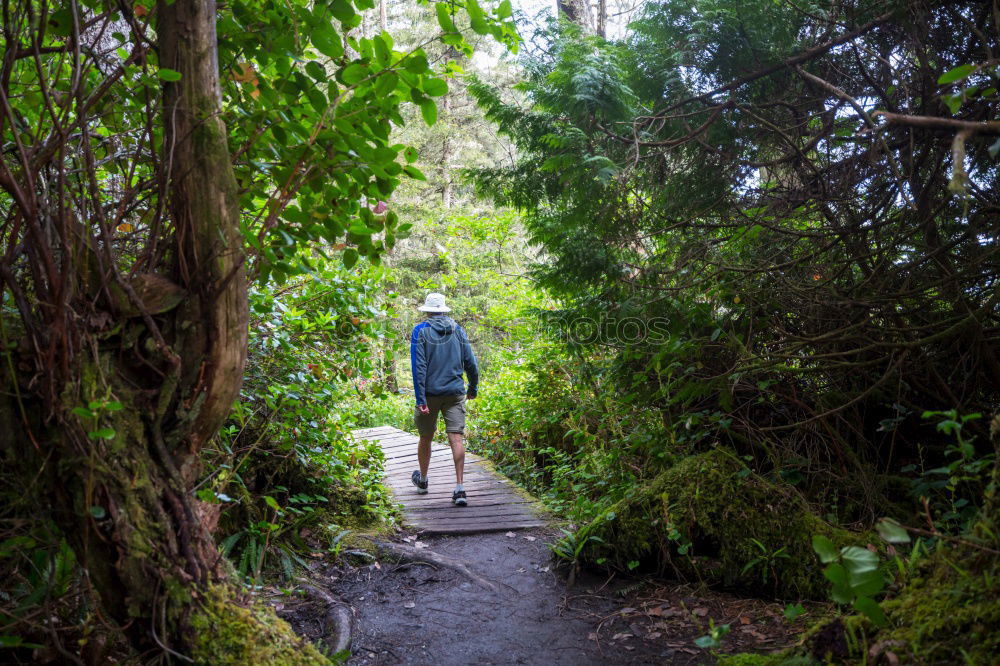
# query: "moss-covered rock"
[[226, 633], [711, 518]]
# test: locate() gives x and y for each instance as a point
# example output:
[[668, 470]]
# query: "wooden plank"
[[493, 504], [483, 514], [477, 490], [456, 524], [478, 529], [372, 433], [480, 501]]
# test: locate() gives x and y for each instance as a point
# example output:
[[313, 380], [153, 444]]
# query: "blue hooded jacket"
[[439, 353]]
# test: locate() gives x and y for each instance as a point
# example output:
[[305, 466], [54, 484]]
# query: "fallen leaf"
[[592, 636], [521, 570], [700, 612], [621, 636], [626, 611], [744, 619], [544, 569], [420, 544], [410, 538], [629, 647], [653, 635], [510, 535], [528, 538], [657, 612], [409, 604]]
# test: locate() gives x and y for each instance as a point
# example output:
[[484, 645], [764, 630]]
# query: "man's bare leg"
[[457, 452], [424, 454]]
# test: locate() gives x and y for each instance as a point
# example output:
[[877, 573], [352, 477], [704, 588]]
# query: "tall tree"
[[129, 211]]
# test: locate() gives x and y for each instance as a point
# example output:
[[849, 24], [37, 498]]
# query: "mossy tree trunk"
[[119, 387], [147, 542]]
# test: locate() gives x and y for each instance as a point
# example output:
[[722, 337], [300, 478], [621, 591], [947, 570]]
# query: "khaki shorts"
[[451, 406]]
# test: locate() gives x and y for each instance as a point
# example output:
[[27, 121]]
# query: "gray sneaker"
[[421, 485], [458, 497]]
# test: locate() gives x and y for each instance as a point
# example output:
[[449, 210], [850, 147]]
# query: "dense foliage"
[[741, 247], [732, 283], [772, 234]]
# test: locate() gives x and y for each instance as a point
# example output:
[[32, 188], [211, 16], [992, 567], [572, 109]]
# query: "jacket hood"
[[442, 325]]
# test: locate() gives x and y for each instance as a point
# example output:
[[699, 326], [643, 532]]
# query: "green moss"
[[950, 611], [226, 633], [730, 517]]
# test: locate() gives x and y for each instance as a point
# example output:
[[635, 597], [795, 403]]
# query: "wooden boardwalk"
[[494, 504]]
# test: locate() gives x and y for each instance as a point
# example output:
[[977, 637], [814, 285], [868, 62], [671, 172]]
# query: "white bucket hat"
[[434, 303]]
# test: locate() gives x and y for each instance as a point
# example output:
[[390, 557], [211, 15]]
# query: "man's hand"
[[423, 409]]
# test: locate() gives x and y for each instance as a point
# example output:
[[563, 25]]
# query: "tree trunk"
[[115, 441], [145, 541], [578, 12]]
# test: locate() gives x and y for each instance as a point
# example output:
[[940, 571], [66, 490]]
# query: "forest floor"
[[415, 613]]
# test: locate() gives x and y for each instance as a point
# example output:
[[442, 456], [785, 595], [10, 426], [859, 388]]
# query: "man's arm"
[[470, 364], [418, 365]]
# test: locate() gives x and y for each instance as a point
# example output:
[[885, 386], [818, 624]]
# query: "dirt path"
[[419, 614], [494, 597], [416, 614]]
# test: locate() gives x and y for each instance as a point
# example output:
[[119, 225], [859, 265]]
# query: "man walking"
[[439, 353]]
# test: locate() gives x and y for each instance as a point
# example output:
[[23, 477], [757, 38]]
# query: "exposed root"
[[410, 554], [338, 617]]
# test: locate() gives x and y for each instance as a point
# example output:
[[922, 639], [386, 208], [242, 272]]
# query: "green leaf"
[[444, 17], [872, 610], [417, 62], [315, 70], [867, 584], [271, 502], [350, 257], [83, 413], [102, 433], [858, 560], [956, 74], [342, 10], [327, 41], [836, 574], [841, 594], [477, 19], [825, 548], [61, 23], [413, 172], [382, 50], [354, 73], [167, 74], [98, 512], [891, 531], [428, 109], [386, 84], [435, 87]]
